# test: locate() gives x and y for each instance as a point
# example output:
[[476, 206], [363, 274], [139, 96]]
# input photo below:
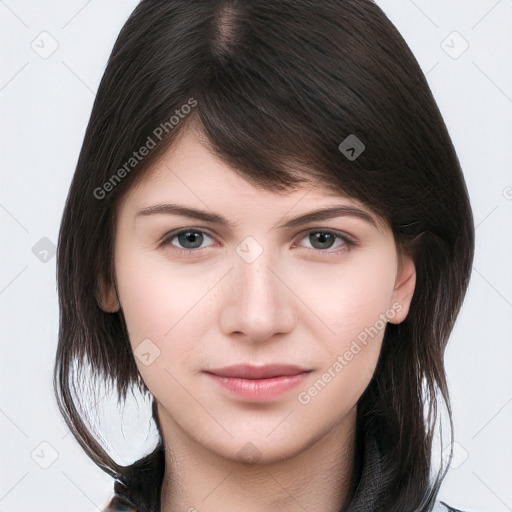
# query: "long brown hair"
[[274, 83]]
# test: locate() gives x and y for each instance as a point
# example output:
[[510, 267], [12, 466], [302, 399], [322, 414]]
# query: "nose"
[[257, 300]]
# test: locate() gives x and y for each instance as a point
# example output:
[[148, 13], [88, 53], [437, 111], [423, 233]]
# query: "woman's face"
[[256, 288]]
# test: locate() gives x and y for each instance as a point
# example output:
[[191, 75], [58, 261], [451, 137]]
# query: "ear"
[[106, 297], [404, 289]]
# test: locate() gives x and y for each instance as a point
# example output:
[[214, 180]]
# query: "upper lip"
[[249, 371]]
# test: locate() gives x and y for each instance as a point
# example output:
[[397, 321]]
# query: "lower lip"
[[259, 389]]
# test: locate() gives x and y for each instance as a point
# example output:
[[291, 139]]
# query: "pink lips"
[[257, 383]]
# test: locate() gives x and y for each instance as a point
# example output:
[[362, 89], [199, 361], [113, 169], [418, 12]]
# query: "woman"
[[268, 231]]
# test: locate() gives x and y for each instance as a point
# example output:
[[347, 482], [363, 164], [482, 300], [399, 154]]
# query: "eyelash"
[[348, 242]]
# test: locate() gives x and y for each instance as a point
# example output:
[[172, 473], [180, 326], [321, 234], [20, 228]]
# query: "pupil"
[[190, 239], [325, 240]]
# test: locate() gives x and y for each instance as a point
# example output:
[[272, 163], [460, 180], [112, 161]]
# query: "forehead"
[[191, 174], [191, 163]]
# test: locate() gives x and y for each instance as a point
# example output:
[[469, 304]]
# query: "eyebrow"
[[313, 216]]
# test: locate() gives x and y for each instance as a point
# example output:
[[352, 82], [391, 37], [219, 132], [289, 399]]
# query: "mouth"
[[249, 371], [258, 383]]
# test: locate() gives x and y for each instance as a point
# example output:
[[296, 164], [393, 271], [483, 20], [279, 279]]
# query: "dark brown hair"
[[276, 86]]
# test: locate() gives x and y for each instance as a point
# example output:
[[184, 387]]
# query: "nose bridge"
[[252, 269], [257, 284], [258, 303]]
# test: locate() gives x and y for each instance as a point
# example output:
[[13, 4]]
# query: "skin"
[[212, 308]]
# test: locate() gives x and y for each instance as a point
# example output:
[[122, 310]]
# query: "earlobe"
[[106, 297], [404, 289]]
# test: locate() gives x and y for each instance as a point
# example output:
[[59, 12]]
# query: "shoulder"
[[443, 507], [137, 487], [119, 504]]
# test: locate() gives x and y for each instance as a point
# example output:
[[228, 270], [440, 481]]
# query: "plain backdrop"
[[53, 55]]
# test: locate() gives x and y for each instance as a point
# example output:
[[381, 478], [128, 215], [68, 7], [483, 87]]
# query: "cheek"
[[167, 305], [351, 306], [355, 315], [349, 297], [151, 299]]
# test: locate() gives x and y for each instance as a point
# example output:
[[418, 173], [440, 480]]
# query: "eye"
[[320, 241], [186, 240], [323, 241]]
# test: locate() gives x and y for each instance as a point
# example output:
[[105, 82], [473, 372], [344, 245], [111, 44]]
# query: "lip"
[[258, 383], [250, 371]]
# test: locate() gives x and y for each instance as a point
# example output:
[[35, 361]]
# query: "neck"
[[319, 477]]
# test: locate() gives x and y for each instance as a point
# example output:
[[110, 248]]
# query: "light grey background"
[[45, 102]]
